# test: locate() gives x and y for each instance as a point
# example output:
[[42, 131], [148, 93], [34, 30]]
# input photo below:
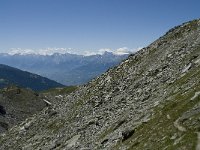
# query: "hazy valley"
[[67, 69]]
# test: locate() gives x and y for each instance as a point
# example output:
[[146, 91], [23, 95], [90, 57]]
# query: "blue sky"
[[89, 25]]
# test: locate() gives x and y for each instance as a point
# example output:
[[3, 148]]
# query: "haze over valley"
[[67, 69]]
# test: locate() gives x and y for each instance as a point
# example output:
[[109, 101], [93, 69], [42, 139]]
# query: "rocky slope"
[[150, 101], [16, 104], [13, 76]]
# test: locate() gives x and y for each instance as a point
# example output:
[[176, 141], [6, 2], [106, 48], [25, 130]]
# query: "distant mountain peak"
[[66, 68], [64, 51]]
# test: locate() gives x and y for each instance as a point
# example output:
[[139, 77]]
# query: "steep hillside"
[[150, 101], [13, 76], [17, 104], [68, 69]]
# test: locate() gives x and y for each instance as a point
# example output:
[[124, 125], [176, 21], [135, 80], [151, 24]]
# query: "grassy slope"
[[160, 131], [60, 91]]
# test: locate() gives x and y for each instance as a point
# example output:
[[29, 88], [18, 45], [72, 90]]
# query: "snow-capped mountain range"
[[62, 65], [51, 51]]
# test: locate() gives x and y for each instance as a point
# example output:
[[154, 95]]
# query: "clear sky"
[[89, 24]]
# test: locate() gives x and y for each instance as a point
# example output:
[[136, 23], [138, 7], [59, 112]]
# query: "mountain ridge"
[[67, 69], [14, 76], [63, 51], [149, 101]]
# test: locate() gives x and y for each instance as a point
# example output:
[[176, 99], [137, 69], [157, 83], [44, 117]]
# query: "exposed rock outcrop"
[[16, 104]]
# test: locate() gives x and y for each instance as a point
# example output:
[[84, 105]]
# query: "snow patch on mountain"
[[46, 51], [51, 51]]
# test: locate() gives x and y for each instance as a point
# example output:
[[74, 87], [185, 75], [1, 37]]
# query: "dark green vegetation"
[[150, 101], [60, 91], [13, 76]]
